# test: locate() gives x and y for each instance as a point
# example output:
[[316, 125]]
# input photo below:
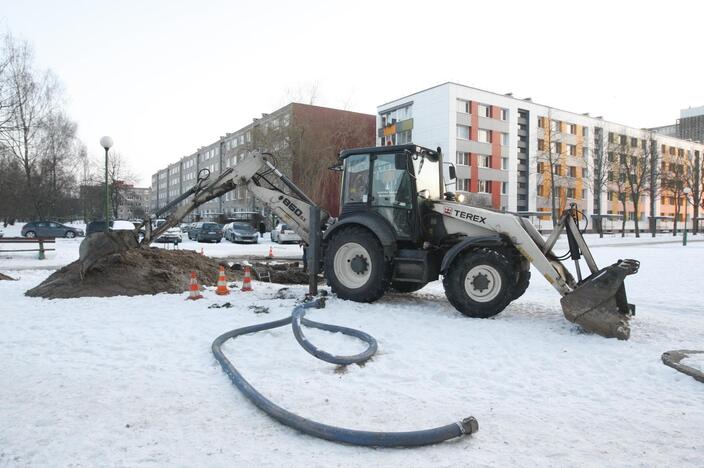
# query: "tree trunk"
[[677, 215], [552, 197], [623, 218], [637, 215]]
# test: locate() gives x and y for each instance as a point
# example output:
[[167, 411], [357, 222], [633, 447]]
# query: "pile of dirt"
[[145, 270], [6, 278], [276, 271]]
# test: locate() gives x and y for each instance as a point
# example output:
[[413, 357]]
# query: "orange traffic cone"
[[247, 281], [222, 283], [271, 252], [194, 289]]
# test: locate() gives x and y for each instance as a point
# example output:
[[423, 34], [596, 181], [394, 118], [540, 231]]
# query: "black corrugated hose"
[[336, 434]]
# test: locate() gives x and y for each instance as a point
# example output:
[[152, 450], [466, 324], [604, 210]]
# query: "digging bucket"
[[598, 303]]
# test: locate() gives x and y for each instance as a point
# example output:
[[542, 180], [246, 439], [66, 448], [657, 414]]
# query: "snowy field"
[[132, 381]]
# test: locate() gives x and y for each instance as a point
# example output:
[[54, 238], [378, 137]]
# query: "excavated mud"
[[138, 271], [276, 271]]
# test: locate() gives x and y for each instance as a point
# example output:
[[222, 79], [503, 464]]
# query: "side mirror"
[[452, 172], [401, 162]]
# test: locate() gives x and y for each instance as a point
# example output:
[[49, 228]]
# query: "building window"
[[504, 188], [504, 114], [404, 137], [556, 147], [556, 169], [484, 136], [570, 193], [463, 106], [573, 171], [573, 149], [484, 186], [483, 160], [555, 125], [504, 163], [541, 167], [463, 184], [463, 158], [541, 122], [634, 142], [504, 139], [584, 131], [541, 144], [572, 129], [463, 132], [484, 110]]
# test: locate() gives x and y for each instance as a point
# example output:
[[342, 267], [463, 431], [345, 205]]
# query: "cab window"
[[356, 184]]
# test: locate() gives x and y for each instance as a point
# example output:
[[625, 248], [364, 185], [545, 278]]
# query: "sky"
[[163, 78]]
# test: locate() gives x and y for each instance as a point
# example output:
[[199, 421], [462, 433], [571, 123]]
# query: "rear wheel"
[[355, 267], [480, 283], [70, 234], [30, 234], [406, 287]]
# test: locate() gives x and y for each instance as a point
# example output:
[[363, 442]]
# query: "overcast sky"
[[165, 77]]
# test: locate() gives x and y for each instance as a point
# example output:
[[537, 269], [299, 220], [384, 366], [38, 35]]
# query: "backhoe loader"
[[400, 229]]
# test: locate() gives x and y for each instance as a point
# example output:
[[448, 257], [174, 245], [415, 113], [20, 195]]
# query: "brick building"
[[304, 139]]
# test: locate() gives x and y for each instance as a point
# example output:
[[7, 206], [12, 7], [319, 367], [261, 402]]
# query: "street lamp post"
[[106, 142], [686, 192]]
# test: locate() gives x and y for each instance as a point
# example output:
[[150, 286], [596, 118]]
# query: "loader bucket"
[[598, 303]]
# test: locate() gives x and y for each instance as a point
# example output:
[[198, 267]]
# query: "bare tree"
[[598, 166], [674, 181], [631, 167], [33, 98], [121, 178], [694, 180]]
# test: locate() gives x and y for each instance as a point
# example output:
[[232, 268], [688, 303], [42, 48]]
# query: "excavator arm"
[[253, 173]]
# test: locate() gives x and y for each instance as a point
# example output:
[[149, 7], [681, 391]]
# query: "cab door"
[[392, 193]]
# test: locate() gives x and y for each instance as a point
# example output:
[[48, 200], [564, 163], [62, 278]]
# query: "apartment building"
[[134, 201], [304, 139], [523, 156]]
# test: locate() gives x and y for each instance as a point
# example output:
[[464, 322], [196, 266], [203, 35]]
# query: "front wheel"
[[355, 267], [480, 283], [30, 234], [70, 234]]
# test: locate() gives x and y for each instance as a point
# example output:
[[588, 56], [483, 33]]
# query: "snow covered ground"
[[132, 381]]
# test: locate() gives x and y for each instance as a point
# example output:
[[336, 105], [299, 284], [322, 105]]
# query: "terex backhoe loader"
[[398, 229]]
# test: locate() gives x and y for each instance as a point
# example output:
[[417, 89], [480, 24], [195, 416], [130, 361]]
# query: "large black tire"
[[522, 282], [406, 287], [491, 284], [355, 267]]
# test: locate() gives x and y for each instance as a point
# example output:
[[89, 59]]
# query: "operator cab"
[[388, 181]]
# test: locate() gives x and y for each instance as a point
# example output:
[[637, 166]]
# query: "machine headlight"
[[459, 197]]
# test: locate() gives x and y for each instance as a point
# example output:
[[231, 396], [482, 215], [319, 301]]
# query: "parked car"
[[49, 229], [206, 232], [185, 227], [115, 225], [240, 232], [192, 230], [172, 235], [282, 233]]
